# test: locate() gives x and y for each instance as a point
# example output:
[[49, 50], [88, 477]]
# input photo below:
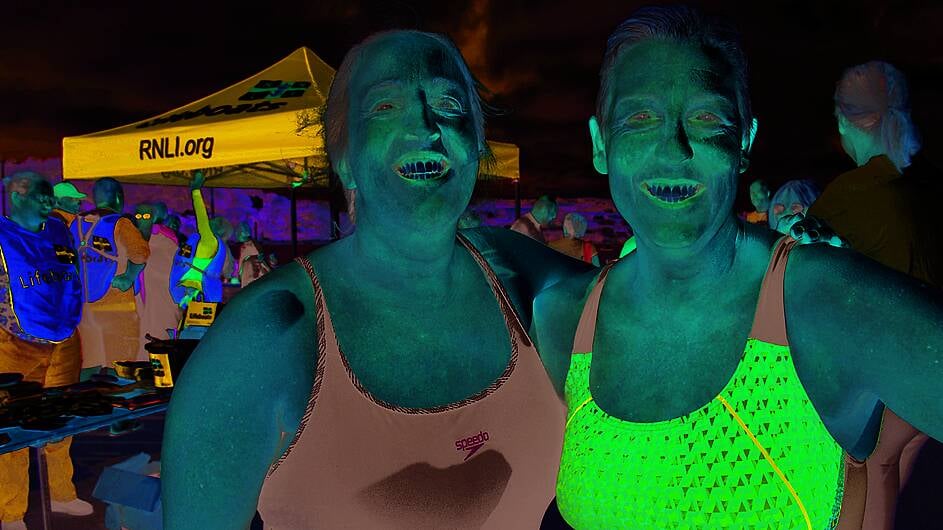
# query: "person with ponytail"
[[883, 209], [876, 207]]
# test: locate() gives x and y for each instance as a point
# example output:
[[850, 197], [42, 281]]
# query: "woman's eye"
[[796, 207], [778, 209], [379, 107], [450, 104], [707, 117], [640, 117]]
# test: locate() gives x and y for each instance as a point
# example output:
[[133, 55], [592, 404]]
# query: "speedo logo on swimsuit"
[[472, 444]]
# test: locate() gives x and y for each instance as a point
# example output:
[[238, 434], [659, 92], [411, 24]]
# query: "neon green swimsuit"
[[756, 456]]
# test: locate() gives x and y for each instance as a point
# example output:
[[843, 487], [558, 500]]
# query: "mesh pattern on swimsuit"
[[757, 456]]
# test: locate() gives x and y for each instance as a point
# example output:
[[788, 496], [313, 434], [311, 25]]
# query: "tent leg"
[[3, 187], [335, 218], [517, 198], [294, 223]]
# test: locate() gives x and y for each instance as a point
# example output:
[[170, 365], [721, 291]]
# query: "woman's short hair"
[[685, 25]]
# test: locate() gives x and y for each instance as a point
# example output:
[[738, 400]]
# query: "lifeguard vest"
[[40, 289], [94, 237], [211, 281]]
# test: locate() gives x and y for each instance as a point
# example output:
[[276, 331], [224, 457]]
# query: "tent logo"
[[262, 93], [276, 89]]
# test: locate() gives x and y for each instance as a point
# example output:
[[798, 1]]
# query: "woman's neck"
[[405, 259], [680, 273]]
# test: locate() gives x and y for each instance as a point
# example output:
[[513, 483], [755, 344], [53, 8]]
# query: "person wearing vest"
[[386, 380], [68, 202], [156, 308], [40, 308], [708, 384], [112, 253], [201, 263]]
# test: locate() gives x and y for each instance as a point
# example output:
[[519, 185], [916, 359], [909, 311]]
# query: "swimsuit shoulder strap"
[[769, 321], [586, 329]]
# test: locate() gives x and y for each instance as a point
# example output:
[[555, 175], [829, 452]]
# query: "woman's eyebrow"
[[381, 86], [635, 100], [448, 84]]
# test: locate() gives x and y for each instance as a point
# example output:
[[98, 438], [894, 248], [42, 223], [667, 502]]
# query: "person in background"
[[224, 230], [173, 222], [40, 308], [199, 264], [759, 197], [156, 308], [68, 202], [112, 254], [469, 219], [539, 217], [888, 213], [880, 208], [572, 243], [791, 203], [252, 263]]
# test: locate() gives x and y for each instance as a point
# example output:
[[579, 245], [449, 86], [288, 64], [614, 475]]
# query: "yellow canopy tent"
[[262, 132]]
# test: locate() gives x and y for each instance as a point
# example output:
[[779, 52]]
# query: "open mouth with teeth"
[[672, 191], [422, 166]]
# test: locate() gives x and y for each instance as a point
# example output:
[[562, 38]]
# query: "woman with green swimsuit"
[[721, 377]]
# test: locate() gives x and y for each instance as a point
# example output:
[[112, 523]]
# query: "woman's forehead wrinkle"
[[712, 81], [383, 85]]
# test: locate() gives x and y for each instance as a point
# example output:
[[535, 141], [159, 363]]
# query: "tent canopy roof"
[[263, 132]]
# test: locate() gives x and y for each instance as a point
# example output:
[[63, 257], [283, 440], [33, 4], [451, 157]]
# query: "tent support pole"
[[3, 187], [517, 198], [294, 223], [333, 207]]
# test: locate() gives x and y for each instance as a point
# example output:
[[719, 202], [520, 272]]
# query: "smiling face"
[[672, 147], [412, 150]]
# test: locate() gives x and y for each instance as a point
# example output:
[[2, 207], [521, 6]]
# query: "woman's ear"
[[746, 146], [842, 123], [599, 147], [343, 172]]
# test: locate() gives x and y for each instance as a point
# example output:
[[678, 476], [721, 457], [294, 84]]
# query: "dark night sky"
[[68, 70]]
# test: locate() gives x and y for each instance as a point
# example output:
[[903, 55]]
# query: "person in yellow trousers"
[[40, 308], [112, 253]]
